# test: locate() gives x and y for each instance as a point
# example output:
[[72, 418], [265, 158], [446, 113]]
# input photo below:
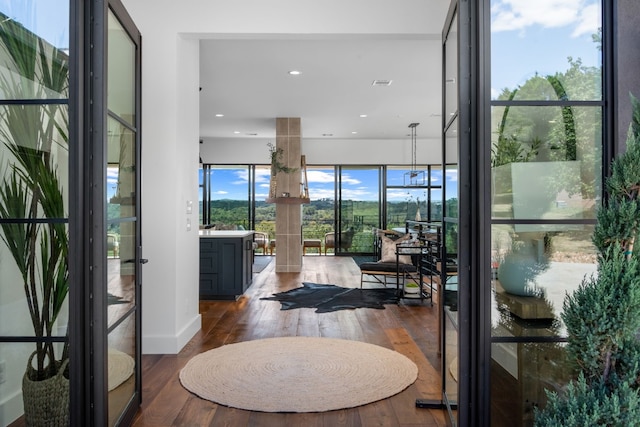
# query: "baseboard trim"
[[168, 344], [11, 408]]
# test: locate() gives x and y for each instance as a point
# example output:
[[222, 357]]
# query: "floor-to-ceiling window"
[[235, 196], [318, 216], [359, 208], [546, 141], [228, 193]]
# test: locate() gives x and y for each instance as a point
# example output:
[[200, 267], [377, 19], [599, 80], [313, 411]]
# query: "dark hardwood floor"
[[409, 328]]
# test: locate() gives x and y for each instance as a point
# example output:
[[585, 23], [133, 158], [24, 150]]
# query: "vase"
[[46, 402], [517, 274]]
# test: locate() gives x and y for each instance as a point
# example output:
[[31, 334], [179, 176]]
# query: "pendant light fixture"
[[415, 177]]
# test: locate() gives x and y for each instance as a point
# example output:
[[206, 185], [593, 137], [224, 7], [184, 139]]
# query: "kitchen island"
[[226, 263]]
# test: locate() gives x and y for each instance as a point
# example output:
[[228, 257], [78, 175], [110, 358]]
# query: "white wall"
[[326, 151], [170, 30]]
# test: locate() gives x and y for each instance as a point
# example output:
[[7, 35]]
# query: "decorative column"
[[288, 202]]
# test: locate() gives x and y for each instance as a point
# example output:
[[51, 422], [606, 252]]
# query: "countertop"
[[225, 233]]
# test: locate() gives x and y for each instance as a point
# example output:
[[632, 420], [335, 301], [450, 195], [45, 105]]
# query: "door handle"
[[143, 260]]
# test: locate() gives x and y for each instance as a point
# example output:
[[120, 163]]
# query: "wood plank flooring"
[[409, 328]]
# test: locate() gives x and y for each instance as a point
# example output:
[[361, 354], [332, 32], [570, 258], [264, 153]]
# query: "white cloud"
[[320, 193], [357, 194], [346, 179], [395, 195], [320, 176], [221, 192], [263, 175], [512, 15], [243, 177], [590, 21]]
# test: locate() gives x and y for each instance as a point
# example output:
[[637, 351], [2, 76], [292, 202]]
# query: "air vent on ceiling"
[[381, 83]]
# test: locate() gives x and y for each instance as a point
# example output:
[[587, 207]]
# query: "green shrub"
[[603, 315]]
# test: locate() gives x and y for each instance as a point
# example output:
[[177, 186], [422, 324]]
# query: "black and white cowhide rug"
[[327, 298]]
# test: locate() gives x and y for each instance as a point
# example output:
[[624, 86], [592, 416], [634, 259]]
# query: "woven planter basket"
[[46, 402]]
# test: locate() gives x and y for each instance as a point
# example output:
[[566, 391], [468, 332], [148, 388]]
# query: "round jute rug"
[[120, 368], [298, 374]]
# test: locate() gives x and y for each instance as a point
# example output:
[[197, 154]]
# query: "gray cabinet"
[[226, 266]]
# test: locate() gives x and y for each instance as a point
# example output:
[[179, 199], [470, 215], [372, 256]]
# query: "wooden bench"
[[311, 243]]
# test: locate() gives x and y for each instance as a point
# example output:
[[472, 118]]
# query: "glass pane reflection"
[[451, 202], [121, 73], [451, 71], [121, 171], [520, 374], [121, 295], [14, 357], [533, 271], [547, 40], [451, 371], [121, 367], [546, 162]]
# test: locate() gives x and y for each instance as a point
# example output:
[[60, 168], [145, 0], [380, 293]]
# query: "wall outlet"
[[3, 371]]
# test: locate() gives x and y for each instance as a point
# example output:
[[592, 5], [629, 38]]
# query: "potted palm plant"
[[33, 140]]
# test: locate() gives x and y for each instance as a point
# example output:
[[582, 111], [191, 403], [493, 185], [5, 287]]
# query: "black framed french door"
[[112, 214], [463, 238]]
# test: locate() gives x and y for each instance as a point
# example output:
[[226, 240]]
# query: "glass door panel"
[[449, 290], [450, 347], [359, 200], [451, 374], [122, 234]]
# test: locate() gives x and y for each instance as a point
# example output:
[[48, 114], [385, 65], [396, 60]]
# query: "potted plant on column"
[[275, 155], [603, 315], [33, 139]]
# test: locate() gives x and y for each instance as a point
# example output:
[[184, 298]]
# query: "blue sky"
[[357, 183], [529, 36], [47, 18]]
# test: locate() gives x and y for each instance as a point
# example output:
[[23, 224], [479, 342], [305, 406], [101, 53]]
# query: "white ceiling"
[[247, 80]]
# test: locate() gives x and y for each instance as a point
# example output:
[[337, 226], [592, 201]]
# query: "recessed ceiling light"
[[295, 72], [236, 132], [219, 115], [363, 115], [354, 132]]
